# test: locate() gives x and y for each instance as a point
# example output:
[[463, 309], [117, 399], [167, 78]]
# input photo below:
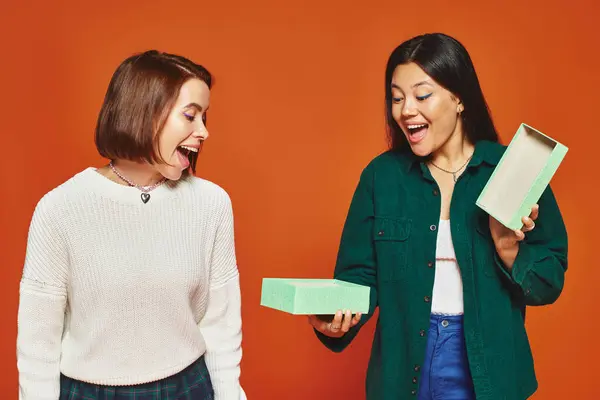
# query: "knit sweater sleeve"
[[43, 297], [221, 325]]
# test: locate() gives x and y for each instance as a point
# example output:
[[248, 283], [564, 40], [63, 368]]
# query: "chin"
[[421, 149], [172, 174]]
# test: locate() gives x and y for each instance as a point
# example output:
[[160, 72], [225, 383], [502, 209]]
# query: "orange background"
[[296, 113]]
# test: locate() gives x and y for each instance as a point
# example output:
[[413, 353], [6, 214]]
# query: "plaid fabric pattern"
[[193, 383]]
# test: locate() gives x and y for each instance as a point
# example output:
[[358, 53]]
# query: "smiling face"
[[184, 129], [427, 113]]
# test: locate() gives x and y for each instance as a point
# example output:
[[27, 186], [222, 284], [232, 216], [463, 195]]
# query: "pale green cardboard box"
[[314, 296], [521, 176]]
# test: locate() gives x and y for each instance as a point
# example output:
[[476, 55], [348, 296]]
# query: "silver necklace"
[[453, 172], [144, 189]]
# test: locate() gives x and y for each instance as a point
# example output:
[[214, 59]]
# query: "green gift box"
[[314, 296], [521, 176]]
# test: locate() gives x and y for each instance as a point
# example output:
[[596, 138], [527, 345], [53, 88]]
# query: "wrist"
[[508, 255]]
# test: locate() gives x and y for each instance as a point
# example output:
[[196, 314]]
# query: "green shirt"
[[389, 244]]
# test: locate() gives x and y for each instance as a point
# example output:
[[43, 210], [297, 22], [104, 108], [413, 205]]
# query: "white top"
[[118, 292], [447, 287]]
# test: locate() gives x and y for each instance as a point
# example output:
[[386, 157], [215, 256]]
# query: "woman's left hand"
[[507, 241]]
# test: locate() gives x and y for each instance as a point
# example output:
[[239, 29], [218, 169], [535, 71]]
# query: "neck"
[[140, 173], [454, 152]]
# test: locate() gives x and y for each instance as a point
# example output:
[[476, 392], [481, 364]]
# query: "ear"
[[459, 105]]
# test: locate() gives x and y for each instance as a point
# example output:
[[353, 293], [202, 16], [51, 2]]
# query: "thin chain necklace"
[[453, 172], [144, 189]]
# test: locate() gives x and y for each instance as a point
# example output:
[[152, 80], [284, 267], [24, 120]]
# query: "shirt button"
[[435, 192], [414, 380], [380, 233], [421, 333], [417, 368], [427, 298], [413, 392], [432, 228], [430, 264]]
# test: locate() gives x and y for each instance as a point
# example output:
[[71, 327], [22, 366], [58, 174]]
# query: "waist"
[[446, 322], [126, 363], [172, 378]]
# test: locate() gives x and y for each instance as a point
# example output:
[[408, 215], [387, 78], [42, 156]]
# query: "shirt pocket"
[[391, 237]]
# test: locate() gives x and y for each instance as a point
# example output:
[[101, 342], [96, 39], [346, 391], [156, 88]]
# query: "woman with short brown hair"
[[130, 287]]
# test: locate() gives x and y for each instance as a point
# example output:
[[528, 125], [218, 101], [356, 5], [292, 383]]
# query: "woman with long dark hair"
[[450, 281]]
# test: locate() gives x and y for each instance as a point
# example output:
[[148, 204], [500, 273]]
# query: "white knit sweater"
[[118, 292]]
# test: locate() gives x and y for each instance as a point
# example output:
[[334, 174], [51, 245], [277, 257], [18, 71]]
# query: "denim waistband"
[[446, 322]]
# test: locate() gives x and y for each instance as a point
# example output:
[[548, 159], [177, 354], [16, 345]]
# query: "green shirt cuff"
[[337, 344], [520, 267]]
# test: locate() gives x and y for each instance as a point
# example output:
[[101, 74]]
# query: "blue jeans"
[[445, 373]]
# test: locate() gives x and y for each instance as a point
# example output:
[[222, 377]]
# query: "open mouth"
[[187, 150], [416, 132], [185, 155]]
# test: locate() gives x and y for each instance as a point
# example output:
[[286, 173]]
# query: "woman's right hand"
[[338, 326]]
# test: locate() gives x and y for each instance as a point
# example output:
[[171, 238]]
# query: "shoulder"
[[389, 163], [204, 189], [52, 209], [492, 147], [389, 158], [490, 152], [496, 147], [384, 161], [61, 197]]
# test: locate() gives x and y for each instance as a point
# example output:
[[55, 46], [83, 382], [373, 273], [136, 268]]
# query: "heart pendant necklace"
[[145, 196]]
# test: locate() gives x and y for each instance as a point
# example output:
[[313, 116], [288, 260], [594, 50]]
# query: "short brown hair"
[[140, 95]]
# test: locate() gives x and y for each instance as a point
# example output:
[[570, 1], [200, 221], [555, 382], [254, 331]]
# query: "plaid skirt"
[[193, 383]]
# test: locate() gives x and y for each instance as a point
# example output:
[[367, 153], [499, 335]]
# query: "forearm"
[[356, 261], [537, 270], [538, 263], [221, 328], [40, 327]]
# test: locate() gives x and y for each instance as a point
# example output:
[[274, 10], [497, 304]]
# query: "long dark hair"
[[447, 62]]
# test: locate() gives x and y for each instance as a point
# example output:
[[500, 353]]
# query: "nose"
[[409, 108], [200, 131]]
